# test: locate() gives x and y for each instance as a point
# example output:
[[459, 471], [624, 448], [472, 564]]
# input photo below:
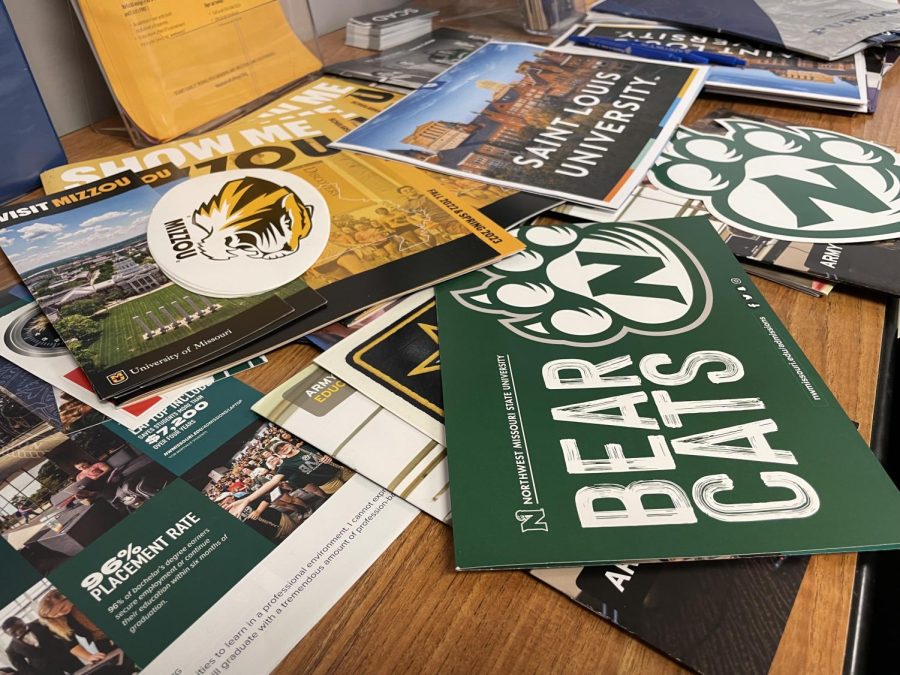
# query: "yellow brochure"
[[316, 113], [175, 65], [324, 95]]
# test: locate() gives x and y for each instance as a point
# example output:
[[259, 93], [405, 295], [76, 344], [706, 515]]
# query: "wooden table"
[[411, 612]]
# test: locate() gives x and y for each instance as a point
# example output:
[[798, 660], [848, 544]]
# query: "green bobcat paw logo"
[[794, 183], [588, 285]]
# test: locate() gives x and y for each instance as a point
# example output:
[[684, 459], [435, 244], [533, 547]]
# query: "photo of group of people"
[[370, 237], [380, 213], [43, 633], [269, 479], [59, 493]]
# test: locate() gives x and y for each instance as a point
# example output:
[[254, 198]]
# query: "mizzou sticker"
[[238, 233], [589, 285], [796, 183]]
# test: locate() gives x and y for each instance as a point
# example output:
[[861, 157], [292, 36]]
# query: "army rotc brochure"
[[396, 361], [206, 541], [84, 256], [638, 400], [733, 624], [584, 128], [322, 409]]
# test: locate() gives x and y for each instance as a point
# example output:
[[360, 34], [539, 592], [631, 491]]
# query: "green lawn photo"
[[112, 336]]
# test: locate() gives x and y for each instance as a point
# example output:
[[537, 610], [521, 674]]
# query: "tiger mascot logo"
[[253, 218]]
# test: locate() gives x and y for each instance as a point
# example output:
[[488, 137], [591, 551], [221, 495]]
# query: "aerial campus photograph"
[[93, 276]]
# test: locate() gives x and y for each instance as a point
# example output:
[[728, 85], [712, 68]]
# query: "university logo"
[[254, 218], [590, 284], [117, 377], [238, 233], [795, 183], [532, 520]]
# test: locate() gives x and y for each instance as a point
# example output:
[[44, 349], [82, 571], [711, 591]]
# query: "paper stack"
[[389, 28]]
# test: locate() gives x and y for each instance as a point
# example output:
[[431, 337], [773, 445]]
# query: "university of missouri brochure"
[[297, 116], [28, 341], [639, 400], [306, 120], [84, 256]]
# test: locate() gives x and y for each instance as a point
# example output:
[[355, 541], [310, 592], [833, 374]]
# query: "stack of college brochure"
[[413, 63], [390, 27], [549, 326], [209, 285]]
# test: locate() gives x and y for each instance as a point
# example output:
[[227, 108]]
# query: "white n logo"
[[532, 520]]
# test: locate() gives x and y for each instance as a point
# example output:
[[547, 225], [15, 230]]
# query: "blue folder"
[[28, 142]]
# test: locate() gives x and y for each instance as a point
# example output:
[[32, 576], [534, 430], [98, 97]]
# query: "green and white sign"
[[551, 293], [796, 183], [622, 392]]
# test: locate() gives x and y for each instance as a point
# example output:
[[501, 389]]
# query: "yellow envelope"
[[175, 65]]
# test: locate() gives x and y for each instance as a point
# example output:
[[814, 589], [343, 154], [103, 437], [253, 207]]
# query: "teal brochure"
[[622, 392], [204, 541]]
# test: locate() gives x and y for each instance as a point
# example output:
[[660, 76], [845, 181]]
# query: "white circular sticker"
[[238, 233]]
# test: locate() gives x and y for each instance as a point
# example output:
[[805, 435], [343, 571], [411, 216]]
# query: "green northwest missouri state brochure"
[[622, 392]]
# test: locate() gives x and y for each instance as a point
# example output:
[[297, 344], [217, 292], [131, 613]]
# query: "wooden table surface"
[[411, 612]]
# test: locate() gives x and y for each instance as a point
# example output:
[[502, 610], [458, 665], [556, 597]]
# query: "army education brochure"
[[579, 127], [638, 400], [206, 541]]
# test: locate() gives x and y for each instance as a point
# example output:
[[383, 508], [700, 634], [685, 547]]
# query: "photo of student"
[[61, 493], [43, 633], [75, 415]]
